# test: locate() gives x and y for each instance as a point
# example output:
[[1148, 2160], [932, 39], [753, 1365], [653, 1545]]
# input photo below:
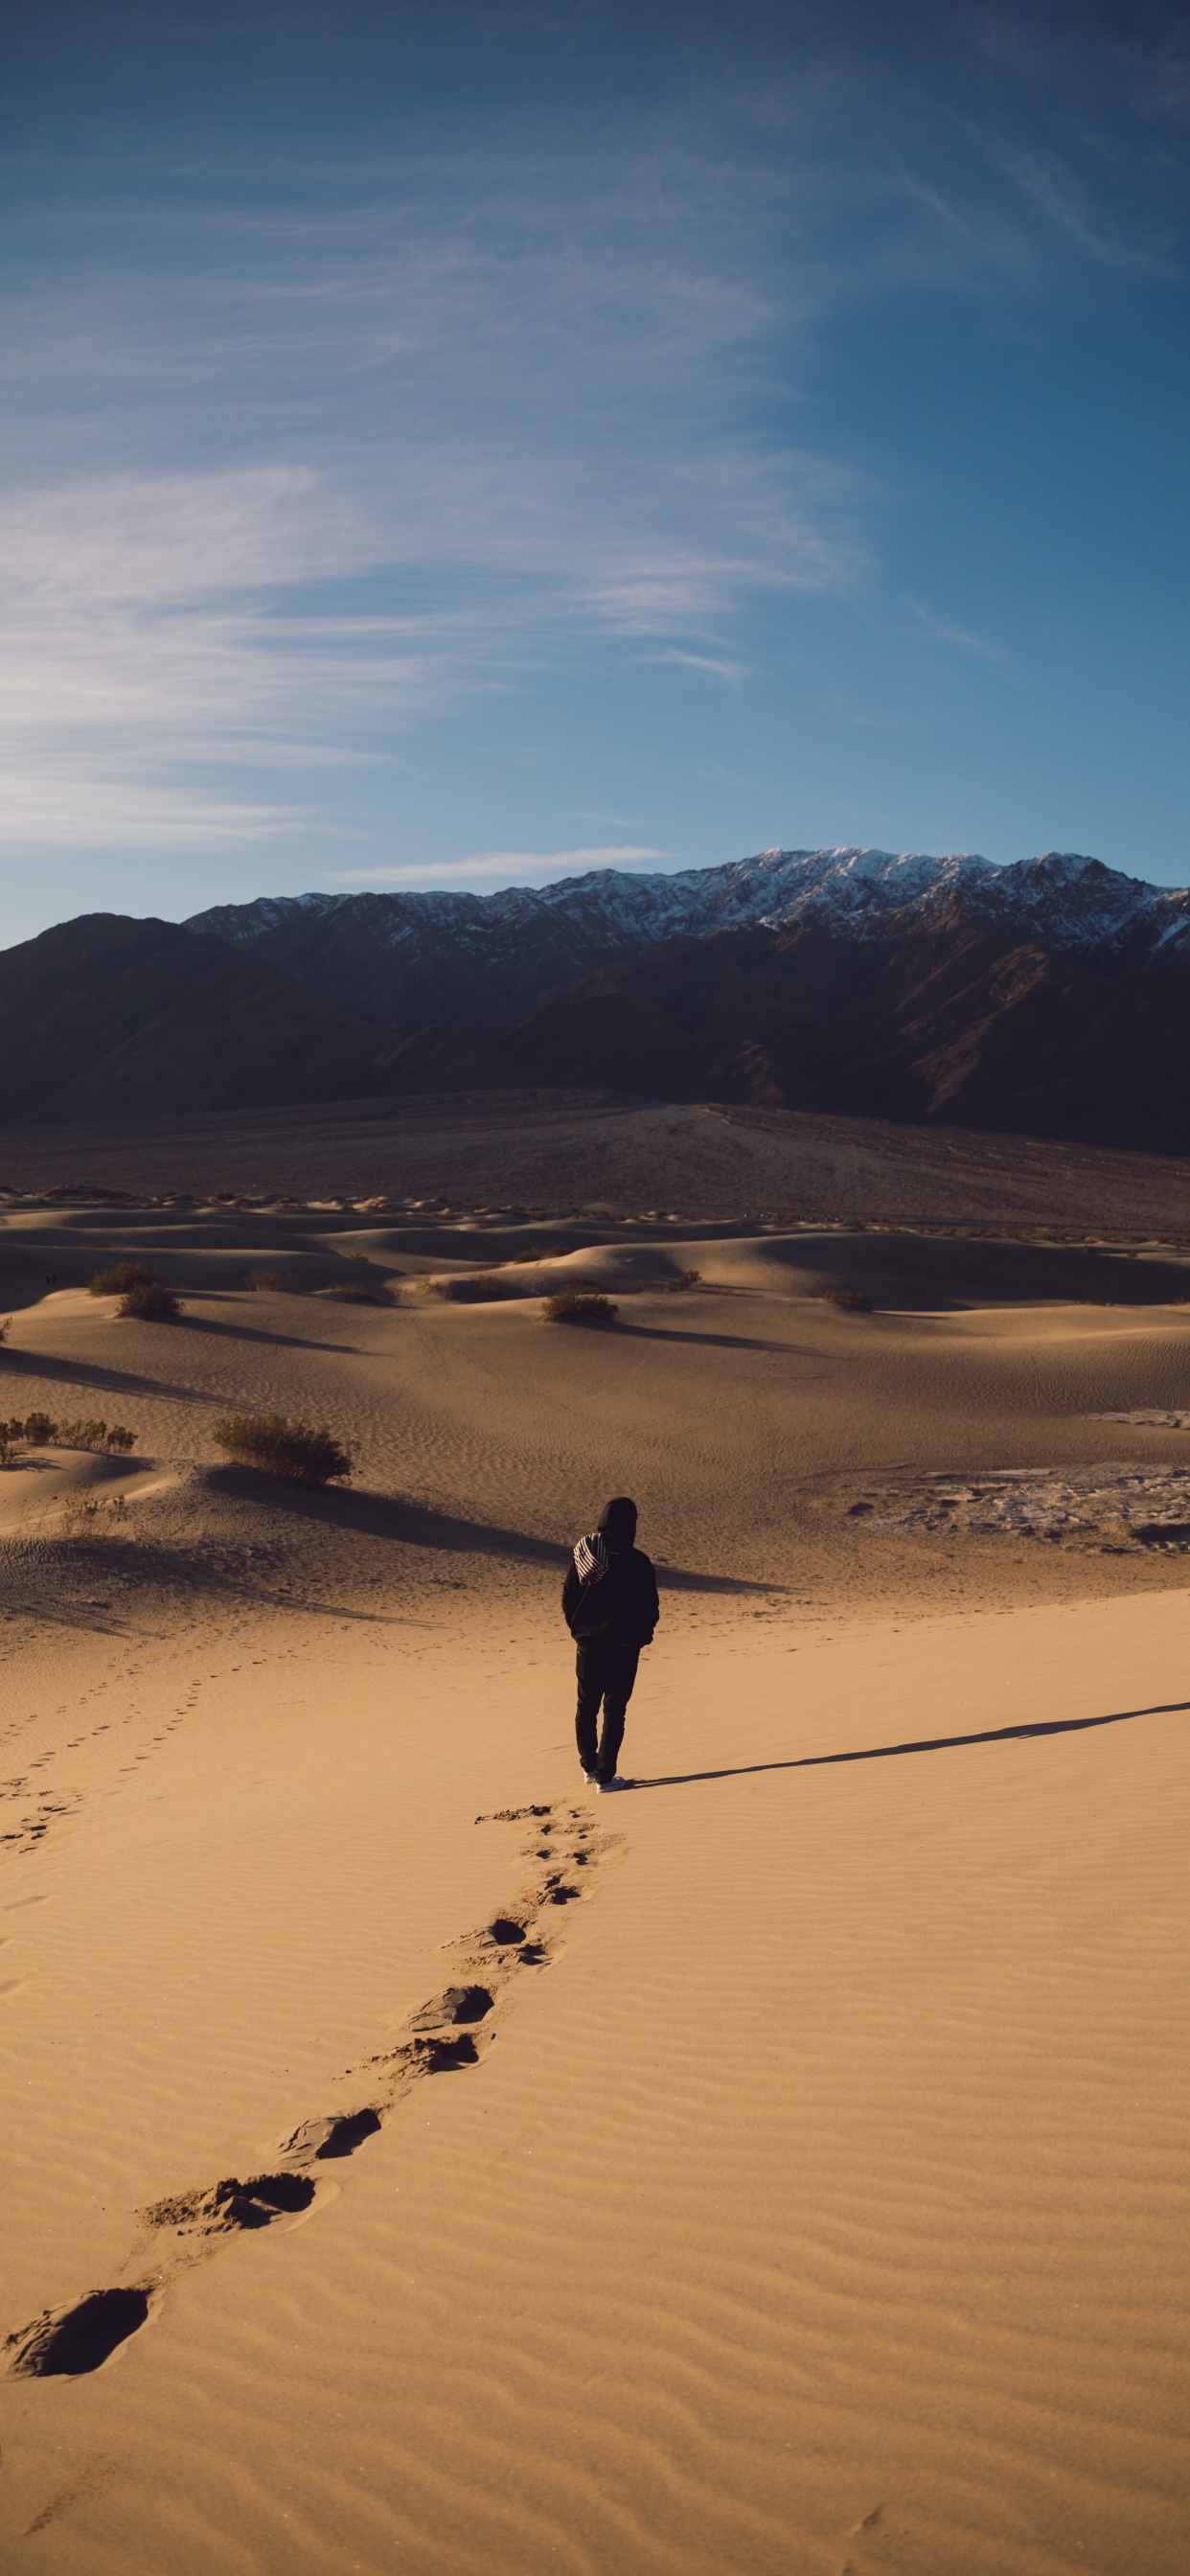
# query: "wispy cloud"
[[160, 632], [710, 664], [956, 635], [159, 625], [497, 863], [387, 430], [83, 811]]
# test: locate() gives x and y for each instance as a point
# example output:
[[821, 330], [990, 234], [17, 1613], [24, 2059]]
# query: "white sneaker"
[[592, 1779], [606, 1786]]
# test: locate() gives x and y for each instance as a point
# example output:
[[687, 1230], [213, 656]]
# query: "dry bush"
[[685, 1279], [271, 1282], [852, 1298], [40, 1431], [91, 1512], [37, 1429], [119, 1276], [300, 1453], [579, 1306], [83, 1434], [4, 1328], [465, 1290], [149, 1302]]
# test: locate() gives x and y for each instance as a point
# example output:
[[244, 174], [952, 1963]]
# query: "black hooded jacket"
[[621, 1606]]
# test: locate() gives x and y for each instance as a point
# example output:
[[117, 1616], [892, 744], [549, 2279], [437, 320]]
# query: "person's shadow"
[[927, 1744]]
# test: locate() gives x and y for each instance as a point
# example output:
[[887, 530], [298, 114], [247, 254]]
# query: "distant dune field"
[[566, 1152]]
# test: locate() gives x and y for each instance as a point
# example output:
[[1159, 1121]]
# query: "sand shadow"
[[142, 1569], [716, 1341], [105, 1381], [416, 1525], [116, 1464], [927, 1744], [253, 1333]]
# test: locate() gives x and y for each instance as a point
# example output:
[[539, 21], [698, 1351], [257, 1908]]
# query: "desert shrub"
[[119, 1276], [685, 1279], [37, 1428], [91, 1435], [852, 1298], [4, 1328], [579, 1306], [464, 1290], [40, 1431], [149, 1302], [301, 1453], [94, 1512], [264, 1280]]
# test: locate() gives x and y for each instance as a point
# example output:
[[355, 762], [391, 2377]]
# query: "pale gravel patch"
[[1104, 1506]]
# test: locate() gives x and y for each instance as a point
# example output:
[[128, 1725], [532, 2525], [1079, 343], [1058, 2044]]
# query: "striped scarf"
[[590, 1557]]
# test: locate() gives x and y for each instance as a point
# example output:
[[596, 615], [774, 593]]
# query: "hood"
[[617, 1522]]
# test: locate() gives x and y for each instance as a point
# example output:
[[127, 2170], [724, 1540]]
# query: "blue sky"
[[451, 445]]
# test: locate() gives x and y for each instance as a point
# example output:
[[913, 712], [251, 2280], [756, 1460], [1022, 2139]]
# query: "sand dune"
[[773, 2168]]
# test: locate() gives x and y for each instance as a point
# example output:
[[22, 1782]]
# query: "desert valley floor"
[[778, 2167]]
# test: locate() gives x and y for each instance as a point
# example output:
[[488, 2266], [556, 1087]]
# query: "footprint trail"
[[450, 2032]]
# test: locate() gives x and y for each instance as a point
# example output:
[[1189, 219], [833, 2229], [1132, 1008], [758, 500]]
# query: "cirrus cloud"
[[499, 863]]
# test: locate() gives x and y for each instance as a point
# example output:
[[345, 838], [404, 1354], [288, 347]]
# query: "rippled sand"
[[778, 2167]]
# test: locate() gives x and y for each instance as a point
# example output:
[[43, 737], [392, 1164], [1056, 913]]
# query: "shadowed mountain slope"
[[106, 1017], [1048, 1000], [952, 1024]]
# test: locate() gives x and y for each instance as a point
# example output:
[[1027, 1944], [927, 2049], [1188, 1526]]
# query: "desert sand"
[[543, 1152], [777, 2167]]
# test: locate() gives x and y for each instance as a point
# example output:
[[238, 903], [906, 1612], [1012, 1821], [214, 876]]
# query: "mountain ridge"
[[1063, 895], [1051, 997]]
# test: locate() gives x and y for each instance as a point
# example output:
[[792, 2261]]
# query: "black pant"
[[606, 1671]]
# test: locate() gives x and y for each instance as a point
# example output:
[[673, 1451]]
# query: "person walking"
[[610, 1605]]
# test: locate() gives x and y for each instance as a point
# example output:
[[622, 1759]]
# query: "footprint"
[[334, 2136], [459, 2003], [505, 1932], [65, 2342], [515, 1816], [436, 2056], [230, 2204]]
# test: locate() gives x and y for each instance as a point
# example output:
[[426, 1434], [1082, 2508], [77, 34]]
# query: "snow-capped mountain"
[[1051, 998], [1068, 901]]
